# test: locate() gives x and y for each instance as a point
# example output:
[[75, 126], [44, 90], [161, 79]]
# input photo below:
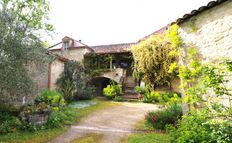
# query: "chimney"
[[80, 41]]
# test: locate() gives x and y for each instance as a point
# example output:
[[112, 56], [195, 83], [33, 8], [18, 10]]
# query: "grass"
[[143, 126], [89, 138], [148, 137], [32, 137], [48, 134]]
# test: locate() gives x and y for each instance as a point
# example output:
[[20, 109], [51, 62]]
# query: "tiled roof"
[[59, 57], [211, 4], [72, 44], [160, 31], [113, 48]]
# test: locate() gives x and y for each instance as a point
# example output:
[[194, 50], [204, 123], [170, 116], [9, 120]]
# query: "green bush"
[[112, 91], [8, 123], [169, 115], [151, 96], [64, 117], [141, 90], [85, 94], [52, 98], [73, 82], [199, 127]]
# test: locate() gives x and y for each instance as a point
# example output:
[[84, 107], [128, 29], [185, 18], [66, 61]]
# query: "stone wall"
[[76, 54], [212, 35], [57, 67]]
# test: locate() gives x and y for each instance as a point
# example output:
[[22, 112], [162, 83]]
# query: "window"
[[65, 45]]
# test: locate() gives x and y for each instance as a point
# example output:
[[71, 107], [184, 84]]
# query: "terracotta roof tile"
[[113, 48], [211, 4]]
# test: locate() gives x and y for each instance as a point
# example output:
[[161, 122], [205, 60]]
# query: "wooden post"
[[111, 64]]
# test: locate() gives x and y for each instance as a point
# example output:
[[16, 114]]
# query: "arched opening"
[[100, 83]]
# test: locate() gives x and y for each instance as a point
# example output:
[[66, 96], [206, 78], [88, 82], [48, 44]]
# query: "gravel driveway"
[[113, 123]]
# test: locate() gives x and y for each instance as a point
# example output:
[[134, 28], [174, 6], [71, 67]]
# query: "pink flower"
[[154, 118]]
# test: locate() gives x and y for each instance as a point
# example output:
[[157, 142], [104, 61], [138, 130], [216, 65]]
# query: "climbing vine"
[[95, 64], [153, 57]]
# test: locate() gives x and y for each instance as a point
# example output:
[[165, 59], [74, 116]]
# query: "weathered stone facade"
[[211, 33]]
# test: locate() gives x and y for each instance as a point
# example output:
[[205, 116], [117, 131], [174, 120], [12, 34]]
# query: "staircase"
[[129, 89]]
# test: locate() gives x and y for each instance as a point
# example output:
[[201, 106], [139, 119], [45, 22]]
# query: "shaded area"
[[100, 83]]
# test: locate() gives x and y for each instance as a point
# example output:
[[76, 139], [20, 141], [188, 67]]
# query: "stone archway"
[[100, 83]]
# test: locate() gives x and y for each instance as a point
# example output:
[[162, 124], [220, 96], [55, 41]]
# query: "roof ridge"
[[113, 44]]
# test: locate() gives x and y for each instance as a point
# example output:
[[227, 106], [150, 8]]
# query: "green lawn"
[[149, 137], [46, 135]]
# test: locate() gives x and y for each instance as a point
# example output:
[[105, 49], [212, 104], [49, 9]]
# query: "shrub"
[[151, 97], [169, 115], [50, 97], [112, 90], [141, 90], [200, 127], [118, 99], [61, 118], [85, 94], [8, 123], [73, 82]]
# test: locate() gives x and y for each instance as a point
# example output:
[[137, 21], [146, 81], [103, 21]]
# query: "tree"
[[73, 82], [21, 50], [154, 56]]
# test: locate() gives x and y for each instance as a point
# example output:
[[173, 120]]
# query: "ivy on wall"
[[96, 64]]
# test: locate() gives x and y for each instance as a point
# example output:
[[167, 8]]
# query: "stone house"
[[71, 49], [208, 28]]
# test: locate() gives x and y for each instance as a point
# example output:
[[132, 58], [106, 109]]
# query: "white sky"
[[98, 22]]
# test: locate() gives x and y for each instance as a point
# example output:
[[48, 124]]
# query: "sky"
[[99, 22]]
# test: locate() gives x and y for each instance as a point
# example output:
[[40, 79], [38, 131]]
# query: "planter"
[[38, 119]]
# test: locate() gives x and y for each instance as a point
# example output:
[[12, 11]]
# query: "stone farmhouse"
[[71, 49], [208, 28]]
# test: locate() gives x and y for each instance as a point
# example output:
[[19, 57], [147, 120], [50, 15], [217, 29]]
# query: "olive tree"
[[21, 50]]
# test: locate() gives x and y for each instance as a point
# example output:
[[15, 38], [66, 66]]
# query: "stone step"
[[131, 97]]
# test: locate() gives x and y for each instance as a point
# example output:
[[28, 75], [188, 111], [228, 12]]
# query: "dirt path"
[[113, 123]]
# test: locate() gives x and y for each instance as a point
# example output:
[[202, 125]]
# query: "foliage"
[[73, 82], [200, 126], [86, 93], [204, 84], [9, 123], [33, 14], [151, 96], [142, 90], [112, 90], [65, 117], [39, 108], [47, 134], [95, 64], [22, 53], [52, 98], [148, 138], [169, 115], [153, 57], [28, 136]]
